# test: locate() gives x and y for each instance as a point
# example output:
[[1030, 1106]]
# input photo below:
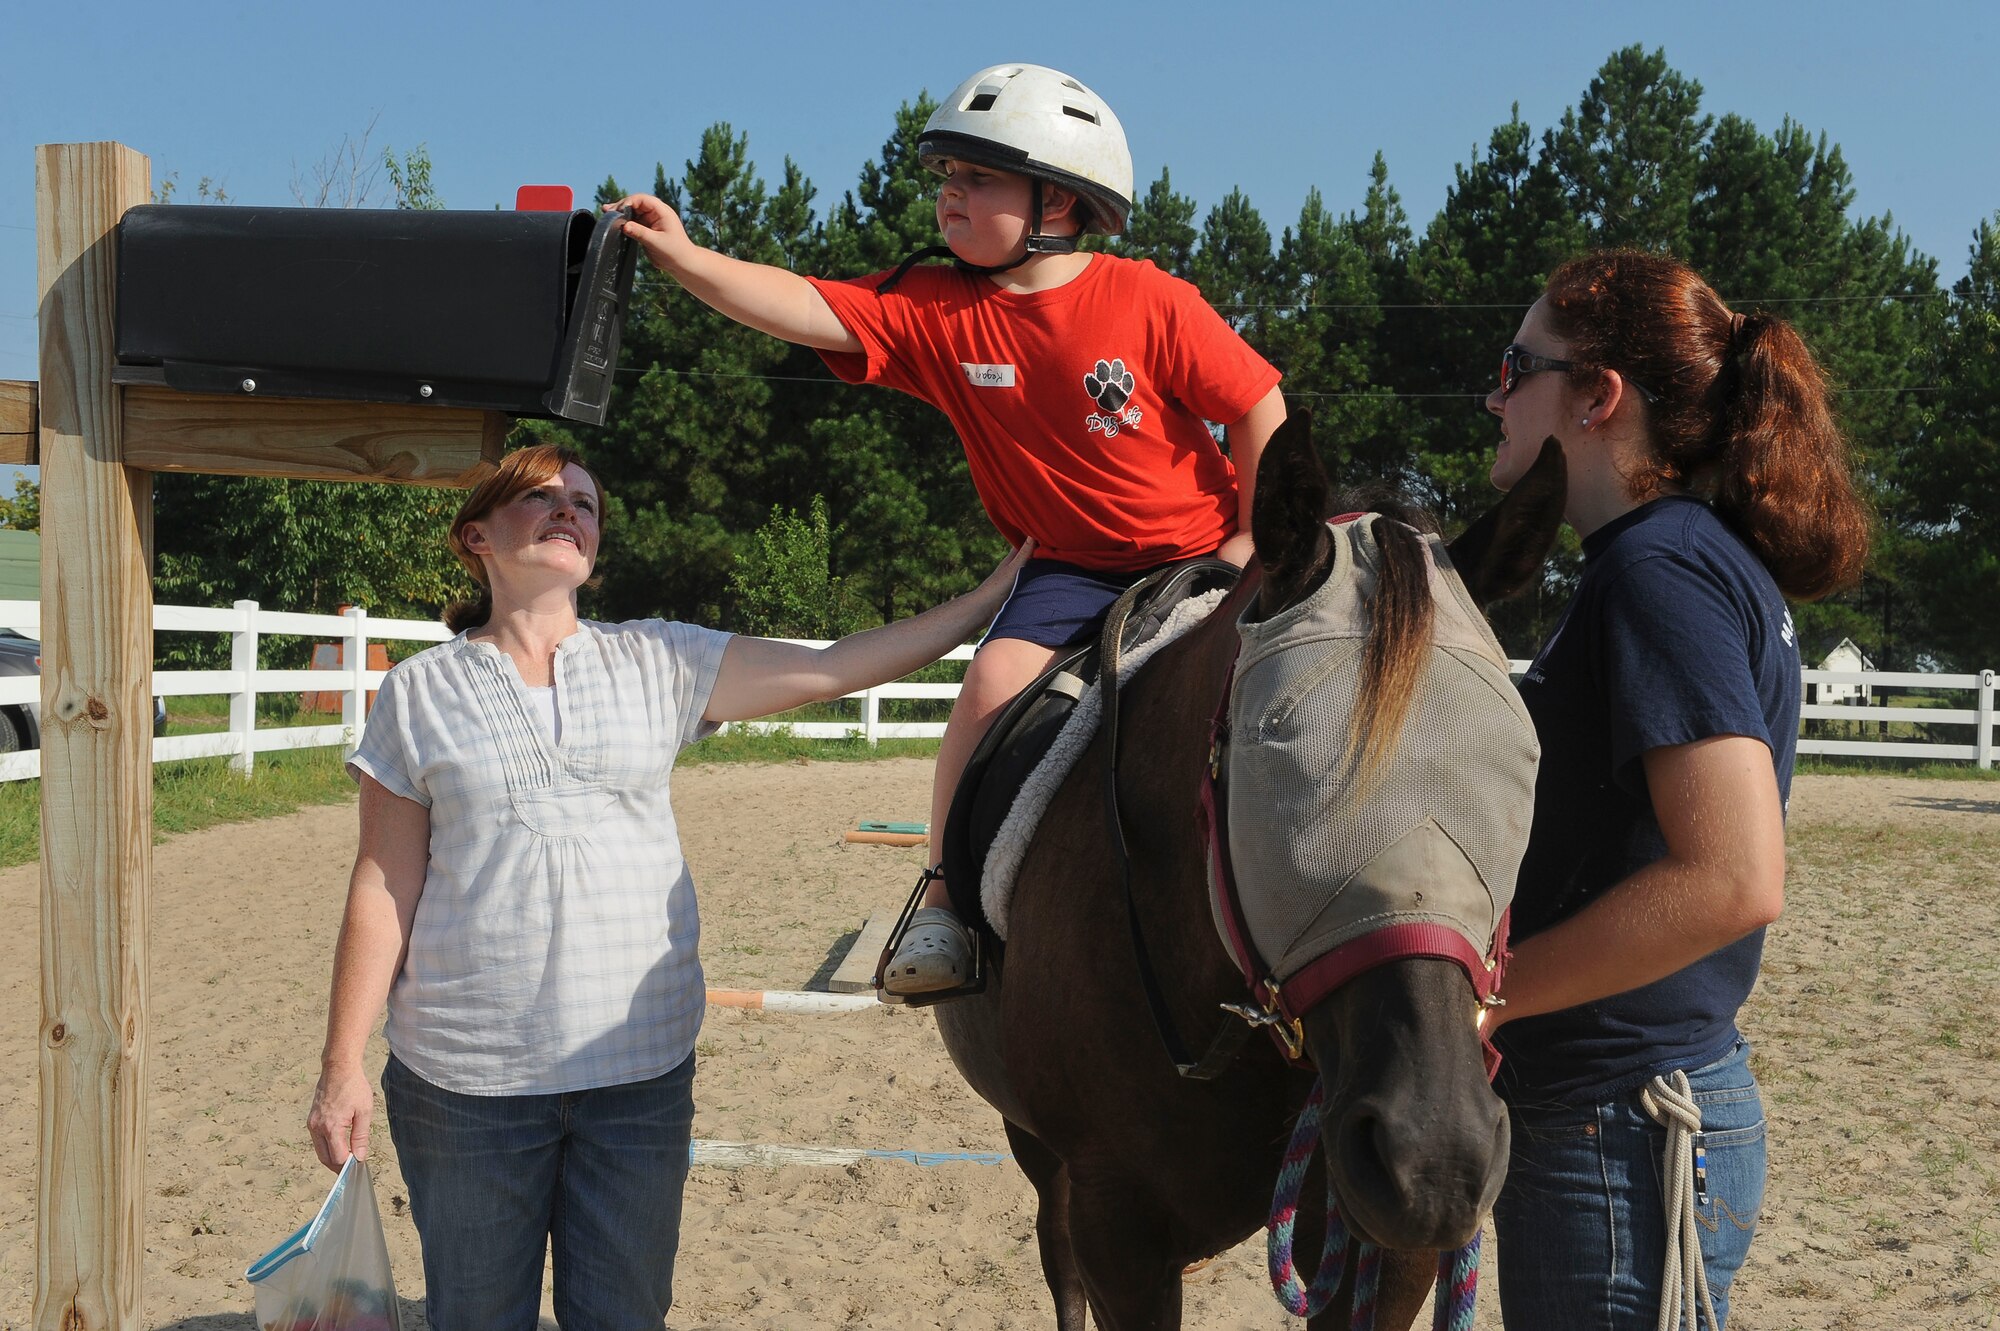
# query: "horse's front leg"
[[1124, 1254], [1404, 1289], [1403, 1286], [1052, 1233]]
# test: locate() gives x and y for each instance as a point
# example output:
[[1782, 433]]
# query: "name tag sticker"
[[988, 376]]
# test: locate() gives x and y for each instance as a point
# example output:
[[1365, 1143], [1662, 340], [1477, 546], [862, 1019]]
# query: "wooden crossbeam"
[[310, 439], [452, 447], [20, 425]]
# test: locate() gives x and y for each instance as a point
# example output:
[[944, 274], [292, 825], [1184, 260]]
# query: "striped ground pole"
[[740, 1155], [778, 1000]]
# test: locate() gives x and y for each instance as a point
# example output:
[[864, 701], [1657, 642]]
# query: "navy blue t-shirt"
[[1676, 633]]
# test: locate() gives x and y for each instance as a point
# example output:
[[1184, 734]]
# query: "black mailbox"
[[518, 312]]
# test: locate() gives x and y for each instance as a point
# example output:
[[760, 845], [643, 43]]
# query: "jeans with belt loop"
[[495, 1180], [1580, 1225]]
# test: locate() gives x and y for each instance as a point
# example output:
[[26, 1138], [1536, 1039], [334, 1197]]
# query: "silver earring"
[[1585, 422]]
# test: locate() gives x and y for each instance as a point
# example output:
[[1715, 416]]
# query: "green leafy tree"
[[893, 212], [1336, 280], [1506, 223], [1389, 332], [784, 582], [24, 511]]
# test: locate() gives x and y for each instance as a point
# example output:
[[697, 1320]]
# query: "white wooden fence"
[[244, 739], [246, 622], [1977, 718]]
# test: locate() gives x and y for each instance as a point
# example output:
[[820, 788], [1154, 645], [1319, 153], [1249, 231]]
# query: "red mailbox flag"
[[543, 199]]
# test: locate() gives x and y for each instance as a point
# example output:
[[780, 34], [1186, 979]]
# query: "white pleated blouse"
[[554, 946]]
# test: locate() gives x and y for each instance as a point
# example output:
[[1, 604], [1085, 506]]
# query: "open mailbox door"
[[518, 312]]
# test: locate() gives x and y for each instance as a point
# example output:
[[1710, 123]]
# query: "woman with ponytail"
[[520, 904], [1708, 483]]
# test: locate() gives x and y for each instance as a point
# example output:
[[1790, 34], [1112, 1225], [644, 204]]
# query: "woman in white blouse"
[[520, 902]]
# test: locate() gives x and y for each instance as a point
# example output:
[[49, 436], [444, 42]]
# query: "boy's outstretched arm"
[[769, 299], [1247, 438]]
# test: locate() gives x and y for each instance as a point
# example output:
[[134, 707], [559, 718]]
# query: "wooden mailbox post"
[[97, 445]]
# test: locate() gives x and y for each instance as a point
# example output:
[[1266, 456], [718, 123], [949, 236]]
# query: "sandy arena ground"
[[1874, 1025]]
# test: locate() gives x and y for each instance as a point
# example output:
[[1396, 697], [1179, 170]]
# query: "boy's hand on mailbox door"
[[656, 227]]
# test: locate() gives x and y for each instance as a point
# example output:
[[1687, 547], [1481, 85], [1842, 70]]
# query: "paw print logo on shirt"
[[1110, 386]]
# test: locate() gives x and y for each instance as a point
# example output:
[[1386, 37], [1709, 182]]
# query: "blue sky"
[[1274, 98]]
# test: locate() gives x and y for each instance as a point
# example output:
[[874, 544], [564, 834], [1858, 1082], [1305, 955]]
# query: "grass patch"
[[1826, 764], [207, 713], [781, 746], [199, 793]]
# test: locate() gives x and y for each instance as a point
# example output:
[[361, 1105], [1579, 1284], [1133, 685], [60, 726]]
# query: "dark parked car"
[[21, 723]]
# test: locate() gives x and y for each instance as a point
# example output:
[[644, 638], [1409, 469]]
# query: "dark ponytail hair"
[[1741, 414], [519, 472]]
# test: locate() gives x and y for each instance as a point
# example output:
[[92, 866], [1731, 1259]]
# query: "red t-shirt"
[[1082, 408]]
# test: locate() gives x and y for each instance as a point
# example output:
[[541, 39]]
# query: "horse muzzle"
[[1416, 1140]]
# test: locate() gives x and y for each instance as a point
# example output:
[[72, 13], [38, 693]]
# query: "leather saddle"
[[1021, 734]]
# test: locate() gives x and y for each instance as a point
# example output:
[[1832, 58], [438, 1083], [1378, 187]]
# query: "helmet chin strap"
[[1037, 243]]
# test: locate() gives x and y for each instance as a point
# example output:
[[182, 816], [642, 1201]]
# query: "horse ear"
[[1290, 504], [1500, 553]]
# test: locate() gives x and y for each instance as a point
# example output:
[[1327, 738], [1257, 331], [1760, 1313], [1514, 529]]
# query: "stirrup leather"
[[975, 985]]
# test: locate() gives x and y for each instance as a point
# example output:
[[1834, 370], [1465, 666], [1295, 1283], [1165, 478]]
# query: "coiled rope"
[[1684, 1298], [1458, 1269]]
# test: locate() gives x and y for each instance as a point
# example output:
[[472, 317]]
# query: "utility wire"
[[1438, 307], [1382, 394]]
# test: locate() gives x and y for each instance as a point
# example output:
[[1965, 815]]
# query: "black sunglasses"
[[1517, 362]]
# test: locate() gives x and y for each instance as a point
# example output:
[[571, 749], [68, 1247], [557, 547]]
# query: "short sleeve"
[[871, 317], [1215, 372], [694, 655], [388, 749], [1674, 658]]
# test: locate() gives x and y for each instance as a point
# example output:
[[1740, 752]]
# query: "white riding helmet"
[[1044, 124]]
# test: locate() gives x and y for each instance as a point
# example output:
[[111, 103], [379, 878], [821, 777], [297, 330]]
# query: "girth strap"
[[1231, 1033]]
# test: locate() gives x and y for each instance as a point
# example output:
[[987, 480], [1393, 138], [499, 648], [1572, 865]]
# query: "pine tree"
[[1951, 496], [1161, 229]]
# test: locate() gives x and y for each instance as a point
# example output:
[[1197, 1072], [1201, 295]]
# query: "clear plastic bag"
[[333, 1275]]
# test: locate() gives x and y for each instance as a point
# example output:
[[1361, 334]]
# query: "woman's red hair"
[[1743, 417]]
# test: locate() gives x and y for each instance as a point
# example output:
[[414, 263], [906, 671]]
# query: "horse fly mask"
[[1316, 876]]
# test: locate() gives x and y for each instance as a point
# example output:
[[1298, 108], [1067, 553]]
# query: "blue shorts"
[[1055, 604]]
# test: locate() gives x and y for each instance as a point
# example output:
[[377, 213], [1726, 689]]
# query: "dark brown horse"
[[1140, 1171]]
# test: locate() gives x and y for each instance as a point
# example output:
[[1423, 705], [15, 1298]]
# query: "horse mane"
[[1290, 508], [1397, 652]]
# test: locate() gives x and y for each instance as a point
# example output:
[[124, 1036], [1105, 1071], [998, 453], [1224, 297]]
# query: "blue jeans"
[[1581, 1233], [495, 1179]]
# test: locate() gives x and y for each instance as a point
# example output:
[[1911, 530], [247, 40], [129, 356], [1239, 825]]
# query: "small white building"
[[1846, 656]]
